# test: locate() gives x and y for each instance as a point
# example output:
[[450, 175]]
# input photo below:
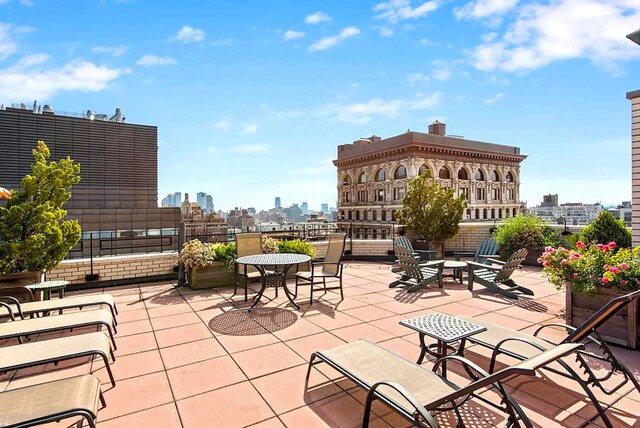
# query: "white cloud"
[[223, 125], [28, 78], [317, 18], [386, 32], [564, 29], [331, 41], [394, 11], [441, 72], [414, 78], [9, 34], [152, 61], [292, 35], [212, 149], [250, 129], [28, 3], [484, 8], [111, 50], [250, 148], [222, 42], [361, 113], [494, 99], [189, 34], [4, 1]]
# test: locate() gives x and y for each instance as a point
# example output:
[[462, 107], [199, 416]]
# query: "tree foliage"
[[607, 228], [433, 212], [33, 233]]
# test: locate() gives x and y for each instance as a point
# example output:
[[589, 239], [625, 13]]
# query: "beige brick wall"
[[114, 268]]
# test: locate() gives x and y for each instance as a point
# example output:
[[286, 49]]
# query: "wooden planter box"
[[9, 280], [216, 275], [622, 329]]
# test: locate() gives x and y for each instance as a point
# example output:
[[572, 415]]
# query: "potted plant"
[[298, 246], [525, 231], [208, 265], [593, 275], [431, 211], [34, 237]]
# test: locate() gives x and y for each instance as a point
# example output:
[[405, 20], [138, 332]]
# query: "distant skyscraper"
[[209, 204], [201, 199], [278, 204], [325, 208], [305, 208], [177, 199]]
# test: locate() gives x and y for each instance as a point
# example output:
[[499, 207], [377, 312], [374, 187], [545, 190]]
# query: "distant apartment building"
[[205, 201], [575, 214], [549, 200], [324, 208], [209, 204], [305, 208], [207, 227], [240, 218], [374, 176], [172, 200], [278, 204], [624, 212], [117, 197]]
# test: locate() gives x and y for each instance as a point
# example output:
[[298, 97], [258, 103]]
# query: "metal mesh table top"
[[45, 285], [443, 327], [273, 259]]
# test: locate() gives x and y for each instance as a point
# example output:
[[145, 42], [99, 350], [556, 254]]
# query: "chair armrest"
[[13, 301], [432, 263], [419, 408], [497, 350], [428, 254], [488, 259], [483, 266], [10, 310]]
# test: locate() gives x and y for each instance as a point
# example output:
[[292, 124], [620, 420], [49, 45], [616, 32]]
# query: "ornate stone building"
[[374, 176]]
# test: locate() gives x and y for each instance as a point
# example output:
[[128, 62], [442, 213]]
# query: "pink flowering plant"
[[588, 267]]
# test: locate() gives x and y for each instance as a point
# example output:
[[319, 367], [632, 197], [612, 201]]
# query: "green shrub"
[[296, 246], [524, 231], [606, 228]]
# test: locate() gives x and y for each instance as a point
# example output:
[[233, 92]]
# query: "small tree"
[[33, 234], [606, 228], [433, 212]]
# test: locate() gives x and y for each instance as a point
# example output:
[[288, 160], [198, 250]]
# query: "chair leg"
[[341, 293]]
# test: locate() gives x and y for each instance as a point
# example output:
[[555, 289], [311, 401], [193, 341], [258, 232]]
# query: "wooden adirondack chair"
[[498, 278], [487, 248], [422, 273]]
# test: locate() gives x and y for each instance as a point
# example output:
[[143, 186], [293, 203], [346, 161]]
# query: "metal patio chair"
[[522, 346], [247, 244], [415, 391], [422, 273], [331, 267], [498, 278]]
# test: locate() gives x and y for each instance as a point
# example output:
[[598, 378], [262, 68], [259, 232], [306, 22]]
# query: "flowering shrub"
[[593, 266], [269, 244], [195, 254]]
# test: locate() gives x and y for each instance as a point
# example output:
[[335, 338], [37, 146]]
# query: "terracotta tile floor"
[[190, 358]]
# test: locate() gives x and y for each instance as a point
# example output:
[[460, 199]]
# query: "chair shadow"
[[259, 321], [404, 296]]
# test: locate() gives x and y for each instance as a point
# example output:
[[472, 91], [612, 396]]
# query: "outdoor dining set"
[[415, 390]]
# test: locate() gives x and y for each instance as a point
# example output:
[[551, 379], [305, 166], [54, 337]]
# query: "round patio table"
[[273, 279], [46, 287], [456, 267]]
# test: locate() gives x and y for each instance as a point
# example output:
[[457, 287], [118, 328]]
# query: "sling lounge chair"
[[51, 402], [32, 354], [487, 248], [519, 345], [19, 328], [247, 244], [331, 267], [414, 391], [422, 273], [498, 278], [43, 306]]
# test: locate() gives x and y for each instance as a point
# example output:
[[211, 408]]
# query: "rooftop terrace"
[[190, 358]]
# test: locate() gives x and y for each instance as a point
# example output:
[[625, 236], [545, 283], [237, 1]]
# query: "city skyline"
[[252, 100]]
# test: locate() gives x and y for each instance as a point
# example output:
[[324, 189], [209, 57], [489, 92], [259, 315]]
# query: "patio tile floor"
[[196, 358]]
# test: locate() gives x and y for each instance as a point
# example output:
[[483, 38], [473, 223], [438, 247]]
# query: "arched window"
[[357, 214], [366, 215], [515, 211], [393, 215], [384, 215], [508, 178], [401, 172], [499, 212], [422, 169], [462, 174], [479, 175], [484, 213], [349, 215], [477, 217], [375, 215], [493, 213], [444, 173], [495, 176], [342, 215], [347, 180], [468, 213], [362, 178], [380, 175]]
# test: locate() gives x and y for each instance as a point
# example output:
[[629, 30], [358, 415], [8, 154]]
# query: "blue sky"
[[252, 98]]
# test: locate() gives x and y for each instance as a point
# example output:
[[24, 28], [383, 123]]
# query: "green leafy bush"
[[297, 246], [606, 228], [524, 231], [33, 233]]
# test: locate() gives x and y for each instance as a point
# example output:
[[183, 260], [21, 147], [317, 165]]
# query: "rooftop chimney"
[[437, 128]]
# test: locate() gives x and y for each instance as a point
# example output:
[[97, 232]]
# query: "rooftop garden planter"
[[593, 275], [208, 265], [525, 231]]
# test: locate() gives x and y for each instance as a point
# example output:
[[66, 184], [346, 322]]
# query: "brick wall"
[[116, 268]]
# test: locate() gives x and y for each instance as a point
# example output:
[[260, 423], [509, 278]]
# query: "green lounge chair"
[[422, 273], [487, 248], [498, 278]]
